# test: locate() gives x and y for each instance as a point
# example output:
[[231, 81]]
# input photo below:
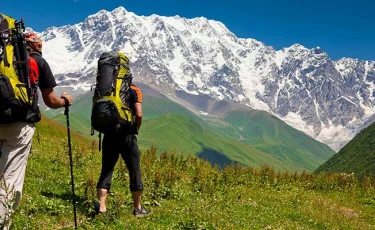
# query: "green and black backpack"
[[110, 108], [18, 84]]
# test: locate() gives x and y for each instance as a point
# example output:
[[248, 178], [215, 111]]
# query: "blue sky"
[[341, 28]]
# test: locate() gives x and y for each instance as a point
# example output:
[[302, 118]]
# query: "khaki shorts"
[[15, 145]]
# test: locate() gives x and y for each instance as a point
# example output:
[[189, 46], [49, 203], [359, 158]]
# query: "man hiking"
[[16, 131], [122, 140]]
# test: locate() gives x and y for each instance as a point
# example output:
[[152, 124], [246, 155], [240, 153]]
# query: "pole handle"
[[66, 105]]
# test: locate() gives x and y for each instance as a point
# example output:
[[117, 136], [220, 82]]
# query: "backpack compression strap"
[[5, 36]]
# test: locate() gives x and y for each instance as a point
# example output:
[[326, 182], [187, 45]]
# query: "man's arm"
[[138, 115], [53, 101], [46, 84]]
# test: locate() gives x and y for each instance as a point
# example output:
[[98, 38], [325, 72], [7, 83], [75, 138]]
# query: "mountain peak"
[[346, 59], [298, 46], [117, 12], [100, 12], [119, 9]]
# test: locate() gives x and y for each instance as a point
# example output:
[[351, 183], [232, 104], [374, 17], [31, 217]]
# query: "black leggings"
[[113, 146]]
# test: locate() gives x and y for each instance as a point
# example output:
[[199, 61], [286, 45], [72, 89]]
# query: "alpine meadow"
[[235, 134], [180, 188]]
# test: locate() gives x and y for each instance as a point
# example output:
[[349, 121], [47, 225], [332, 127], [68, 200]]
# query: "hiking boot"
[[141, 212]]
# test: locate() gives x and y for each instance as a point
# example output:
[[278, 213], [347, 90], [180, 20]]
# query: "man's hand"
[[67, 96]]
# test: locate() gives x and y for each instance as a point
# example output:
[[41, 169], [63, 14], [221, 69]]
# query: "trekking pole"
[[66, 113]]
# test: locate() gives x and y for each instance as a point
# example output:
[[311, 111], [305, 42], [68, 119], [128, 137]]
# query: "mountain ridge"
[[329, 100]]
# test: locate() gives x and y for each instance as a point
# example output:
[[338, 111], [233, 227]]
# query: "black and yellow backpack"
[[18, 94], [110, 109]]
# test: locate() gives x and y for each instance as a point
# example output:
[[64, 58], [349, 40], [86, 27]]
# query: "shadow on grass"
[[215, 158], [82, 204], [64, 196]]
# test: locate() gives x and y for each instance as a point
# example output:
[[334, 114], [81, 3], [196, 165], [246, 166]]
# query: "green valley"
[[250, 137]]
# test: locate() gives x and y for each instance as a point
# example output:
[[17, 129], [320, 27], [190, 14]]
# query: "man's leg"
[[102, 198], [15, 145], [110, 156], [137, 199], [131, 156]]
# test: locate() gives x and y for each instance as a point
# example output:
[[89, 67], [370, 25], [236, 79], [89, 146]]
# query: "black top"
[[46, 78]]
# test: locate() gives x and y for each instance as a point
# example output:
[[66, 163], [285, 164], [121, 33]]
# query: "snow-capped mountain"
[[329, 100]]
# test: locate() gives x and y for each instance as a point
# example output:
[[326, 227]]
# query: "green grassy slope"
[[79, 122], [271, 135], [357, 156], [155, 106], [183, 193], [175, 132]]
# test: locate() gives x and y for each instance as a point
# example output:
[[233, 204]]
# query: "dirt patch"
[[348, 212]]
